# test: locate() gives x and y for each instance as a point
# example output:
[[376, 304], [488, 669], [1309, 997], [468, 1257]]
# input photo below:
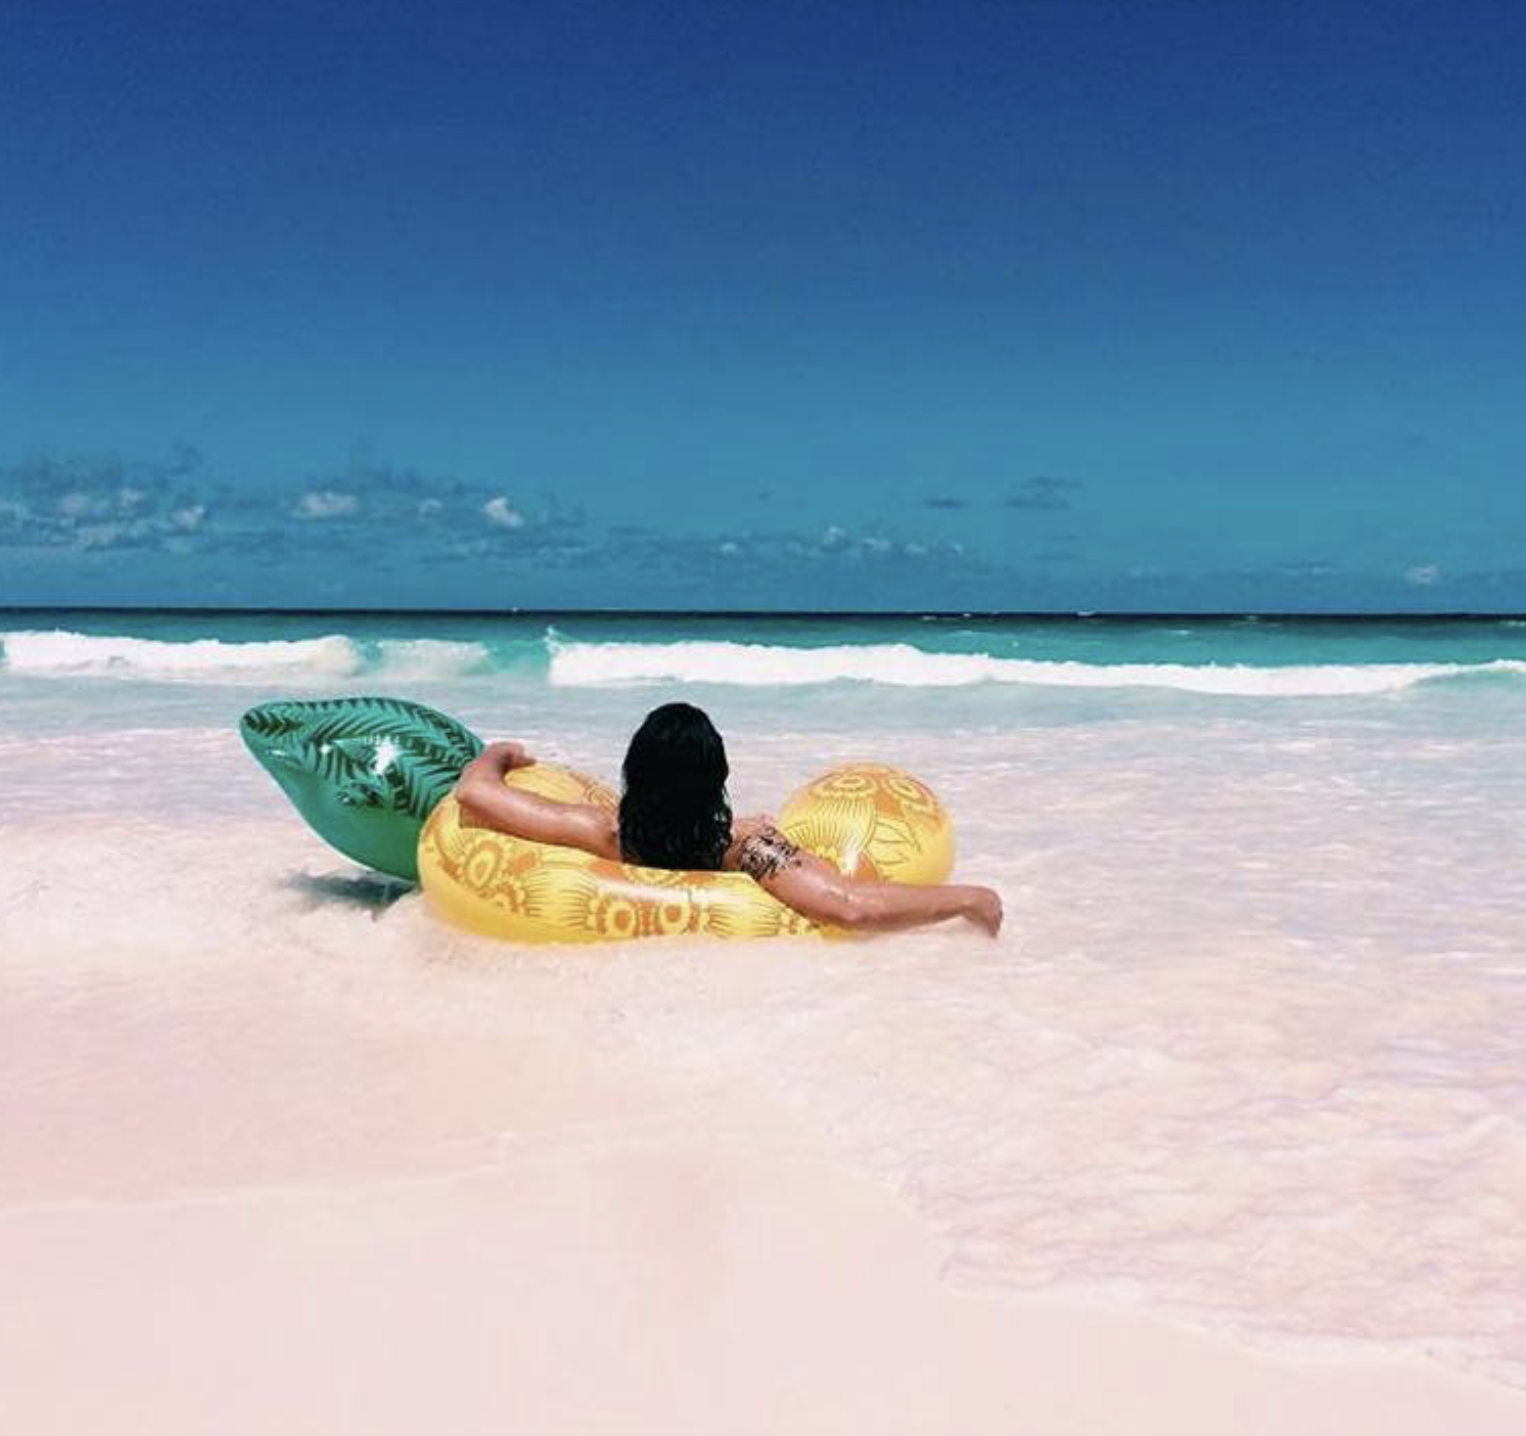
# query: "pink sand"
[[281, 1209]]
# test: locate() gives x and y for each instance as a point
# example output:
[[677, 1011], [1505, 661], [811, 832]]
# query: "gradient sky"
[[1004, 305]]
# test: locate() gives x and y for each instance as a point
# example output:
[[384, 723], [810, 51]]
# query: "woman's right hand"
[[507, 755]]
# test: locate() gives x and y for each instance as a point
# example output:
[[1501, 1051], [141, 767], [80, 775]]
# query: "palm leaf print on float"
[[364, 772]]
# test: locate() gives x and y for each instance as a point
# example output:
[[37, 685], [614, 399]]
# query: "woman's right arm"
[[487, 803], [817, 890]]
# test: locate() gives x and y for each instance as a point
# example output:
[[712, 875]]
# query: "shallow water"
[[1250, 1049]]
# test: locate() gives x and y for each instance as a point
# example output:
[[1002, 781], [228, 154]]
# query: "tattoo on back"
[[766, 853]]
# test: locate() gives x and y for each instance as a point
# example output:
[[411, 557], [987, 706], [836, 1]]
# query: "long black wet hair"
[[674, 812]]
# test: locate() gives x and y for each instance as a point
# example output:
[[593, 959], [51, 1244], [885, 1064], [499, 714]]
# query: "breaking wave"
[[61, 653], [902, 665], [569, 663]]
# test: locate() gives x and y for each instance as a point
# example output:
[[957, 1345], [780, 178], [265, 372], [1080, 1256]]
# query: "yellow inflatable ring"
[[872, 820]]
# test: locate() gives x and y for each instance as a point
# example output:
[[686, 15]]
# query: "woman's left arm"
[[817, 890], [488, 803]]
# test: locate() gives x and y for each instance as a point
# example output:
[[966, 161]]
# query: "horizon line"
[[1109, 615]]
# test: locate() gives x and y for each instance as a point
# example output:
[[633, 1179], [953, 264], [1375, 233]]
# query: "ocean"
[[1248, 1053]]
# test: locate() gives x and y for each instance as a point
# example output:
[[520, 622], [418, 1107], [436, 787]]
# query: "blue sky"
[[945, 305]]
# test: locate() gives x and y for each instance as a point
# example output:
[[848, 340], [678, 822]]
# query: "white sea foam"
[[569, 663], [902, 665], [427, 659], [64, 654], [83, 654]]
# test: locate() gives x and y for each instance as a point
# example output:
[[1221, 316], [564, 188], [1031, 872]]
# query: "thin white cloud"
[[1423, 575], [326, 504], [77, 504], [499, 512]]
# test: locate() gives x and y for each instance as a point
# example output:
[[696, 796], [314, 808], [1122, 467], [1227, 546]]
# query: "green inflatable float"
[[364, 772]]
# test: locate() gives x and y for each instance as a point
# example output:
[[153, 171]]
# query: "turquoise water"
[[525, 644]]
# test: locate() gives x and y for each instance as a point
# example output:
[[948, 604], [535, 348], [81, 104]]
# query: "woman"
[[674, 813]]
